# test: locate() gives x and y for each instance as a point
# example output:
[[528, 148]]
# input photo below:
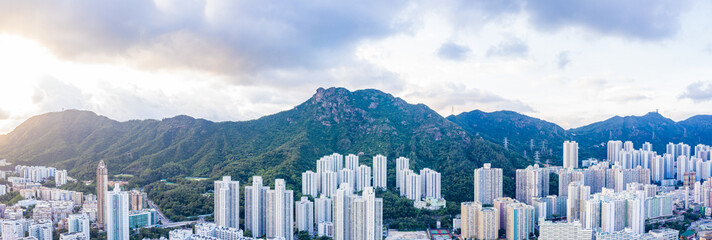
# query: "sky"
[[570, 62]]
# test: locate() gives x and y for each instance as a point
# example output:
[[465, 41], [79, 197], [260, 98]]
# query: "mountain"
[[652, 127], [519, 130], [282, 145]]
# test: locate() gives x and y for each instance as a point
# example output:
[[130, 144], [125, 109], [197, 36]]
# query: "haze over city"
[[568, 62]]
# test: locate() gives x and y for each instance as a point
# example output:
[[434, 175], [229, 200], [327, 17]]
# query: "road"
[[164, 220]]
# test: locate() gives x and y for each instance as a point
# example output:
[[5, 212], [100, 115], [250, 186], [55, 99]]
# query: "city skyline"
[[576, 62]]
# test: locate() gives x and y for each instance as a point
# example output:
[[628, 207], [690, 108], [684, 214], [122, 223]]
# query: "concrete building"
[[280, 213], [309, 183], [363, 177], [570, 155], [227, 203], [402, 164], [256, 207], [322, 210], [341, 217], [430, 183], [520, 221], [488, 184], [532, 182], [117, 214], [379, 171], [567, 176], [329, 183], [304, 211], [564, 231], [102, 181], [351, 162], [347, 176], [60, 177], [79, 223]]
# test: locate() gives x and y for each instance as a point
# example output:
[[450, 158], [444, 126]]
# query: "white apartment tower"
[[430, 183], [79, 223], [351, 162], [347, 176], [60, 177], [280, 215], [117, 214], [379, 171], [256, 207], [532, 182], [363, 177], [570, 154], [309, 183], [329, 183], [366, 216], [304, 211], [227, 203], [488, 184], [402, 164], [614, 148], [342, 217], [322, 209]]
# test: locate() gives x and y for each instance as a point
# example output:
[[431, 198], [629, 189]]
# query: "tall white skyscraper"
[[342, 217], [280, 215], [309, 183], [532, 182], [366, 216], [379, 171], [430, 183], [348, 176], [351, 162], [256, 207], [79, 223], [323, 209], [304, 211], [402, 164], [60, 177], [117, 214], [567, 176], [227, 203], [570, 154], [614, 147], [488, 184], [363, 177], [102, 181], [413, 187], [329, 183]]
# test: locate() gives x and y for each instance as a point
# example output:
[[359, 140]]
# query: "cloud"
[[638, 19], [708, 48], [233, 38], [443, 97], [627, 97], [510, 47], [698, 92], [563, 59], [453, 51], [4, 114]]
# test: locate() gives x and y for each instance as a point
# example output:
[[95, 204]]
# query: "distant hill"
[[282, 145], [519, 130], [652, 127]]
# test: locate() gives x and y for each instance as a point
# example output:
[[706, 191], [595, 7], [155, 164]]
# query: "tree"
[[303, 235]]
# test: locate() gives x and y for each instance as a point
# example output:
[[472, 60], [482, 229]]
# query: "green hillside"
[[519, 130], [365, 122]]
